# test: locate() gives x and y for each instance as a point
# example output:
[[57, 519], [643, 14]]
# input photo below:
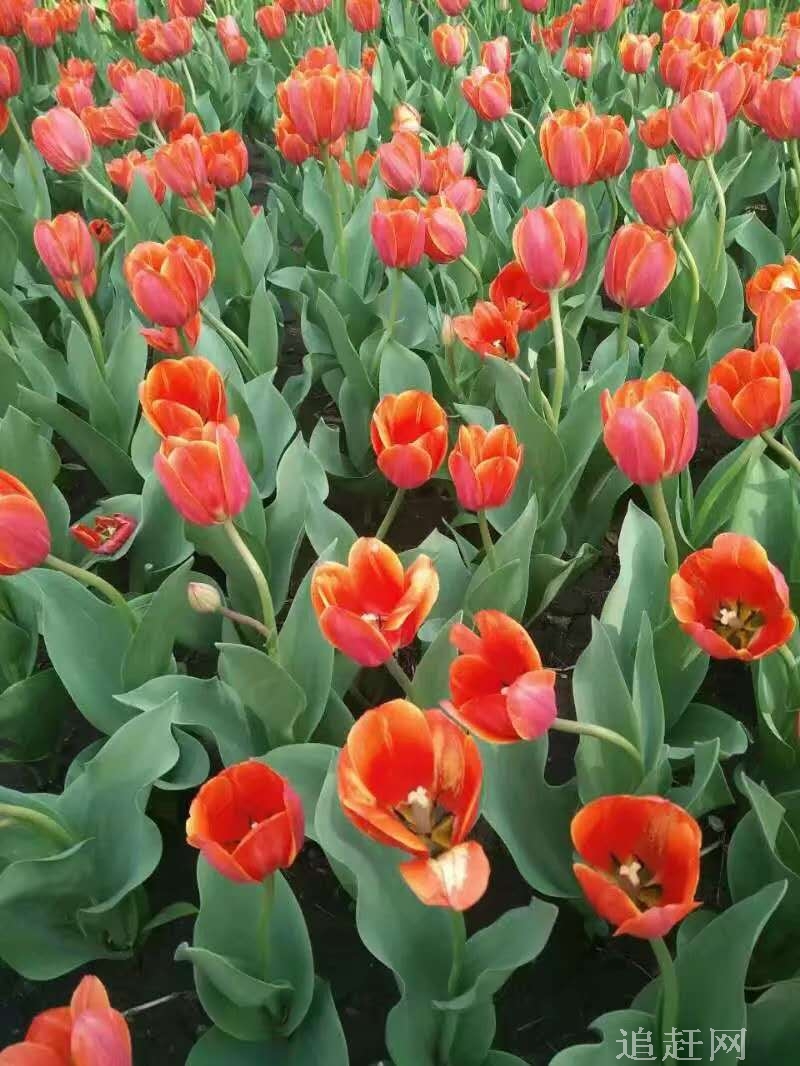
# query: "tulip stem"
[[561, 363], [92, 580], [399, 674], [691, 262], [25, 148], [723, 210], [99, 187], [189, 81], [529, 125], [447, 1032], [622, 336], [599, 732], [474, 271], [261, 583], [613, 210], [333, 191], [780, 449], [92, 324], [9, 812], [669, 987], [391, 514], [660, 511], [486, 540], [515, 141], [245, 620], [239, 346], [791, 663], [394, 306], [795, 154]]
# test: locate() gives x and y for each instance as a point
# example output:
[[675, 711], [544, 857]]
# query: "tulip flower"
[[40, 26], [409, 437], [361, 93], [551, 244], [365, 163], [180, 396], [168, 282], [369, 57], [119, 71], [535, 7], [640, 862], [190, 8], [489, 95], [182, 168], [62, 140], [601, 14], [662, 195], [750, 392], [10, 77], [698, 124], [755, 22], [111, 123], [24, 532], [512, 283], [124, 15], [680, 25], [442, 167], [406, 119], [411, 779], [88, 1032], [790, 46], [484, 466], [578, 62], [312, 7], [445, 234], [371, 607], [80, 69], [400, 163], [640, 264], [465, 195], [496, 55], [164, 42], [247, 822], [271, 19], [636, 52], [732, 601], [778, 323], [101, 230], [225, 157], [775, 277], [490, 331], [290, 144], [205, 478], [778, 108], [364, 15], [654, 130], [711, 25], [450, 43], [674, 61], [570, 141], [398, 232], [317, 101], [66, 248], [614, 148], [453, 7], [107, 534], [122, 172]]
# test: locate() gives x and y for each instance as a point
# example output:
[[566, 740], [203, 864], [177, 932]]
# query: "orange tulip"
[[164, 42], [317, 100], [365, 163], [247, 822], [40, 26], [364, 15], [369, 57], [400, 163], [105, 536], [205, 478], [489, 95], [712, 24], [674, 61], [599, 15], [442, 167], [169, 281], [654, 130], [640, 264], [371, 607], [101, 230], [180, 396], [62, 140], [569, 144], [641, 862], [81, 69], [191, 8], [271, 19], [496, 55], [290, 144], [361, 93], [182, 168], [490, 331], [153, 99], [465, 195], [698, 124], [731, 600], [717, 74], [225, 158], [750, 391], [614, 148], [484, 466], [406, 119], [10, 76], [398, 232], [778, 323], [445, 234], [663, 195], [680, 25], [234, 45], [73, 94], [122, 172], [636, 51], [124, 15], [775, 277], [650, 427], [110, 123], [409, 437], [24, 532], [411, 779], [551, 244], [453, 7], [512, 283], [578, 62], [777, 105], [450, 43], [119, 71], [89, 1032], [66, 248]]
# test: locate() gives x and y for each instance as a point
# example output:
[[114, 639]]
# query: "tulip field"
[[399, 532]]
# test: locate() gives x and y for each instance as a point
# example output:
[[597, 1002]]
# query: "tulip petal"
[[457, 879], [531, 703], [359, 639], [101, 1038], [405, 465], [605, 895], [391, 750], [26, 1054]]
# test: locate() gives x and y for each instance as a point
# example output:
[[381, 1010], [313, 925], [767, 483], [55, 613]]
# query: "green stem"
[[9, 812], [788, 657], [516, 142], [332, 180], [240, 347], [399, 674], [795, 154], [92, 580], [99, 187], [232, 210], [188, 76], [691, 262], [528, 125], [486, 540], [447, 1032], [391, 514], [599, 732], [394, 306], [95, 333], [723, 210], [561, 362], [613, 209], [261, 583], [669, 987], [474, 271], [622, 336], [109, 251], [264, 918], [659, 510], [780, 449], [25, 148]]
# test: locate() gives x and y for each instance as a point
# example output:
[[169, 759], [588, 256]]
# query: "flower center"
[[737, 623], [637, 882], [432, 823]]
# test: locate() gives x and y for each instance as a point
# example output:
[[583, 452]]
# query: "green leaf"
[[708, 789], [124, 370], [608, 1051], [262, 330], [431, 682], [306, 767], [233, 276], [514, 547], [402, 369], [700, 722], [720, 489], [271, 695], [307, 657], [773, 1025], [32, 714], [150, 651]]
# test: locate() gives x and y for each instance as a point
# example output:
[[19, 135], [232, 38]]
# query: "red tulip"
[[73, 94], [409, 438], [750, 392], [775, 277], [181, 167], [411, 779], [181, 396], [101, 230], [777, 106], [551, 244], [271, 19], [578, 62], [601, 14], [247, 822], [369, 58], [364, 166], [662, 195], [400, 163], [168, 282], [361, 93], [453, 7], [569, 141], [62, 140], [490, 331], [674, 61], [614, 148], [119, 71], [698, 124], [110, 124], [24, 532], [778, 323], [496, 55], [640, 862], [317, 100], [790, 46], [105, 536], [371, 607], [398, 232], [40, 26], [10, 77], [489, 95], [225, 158], [364, 15], [67, 250], [755, 22], [640, 264], [290, 144], [465, 195], [124, 15], [190, 8], [442, 167], [650, 427], [164, 42], [122, 172], [484, 466], [680, 25], [450, 43], [512, 283], [654, 130], [445, 234], [731, 600], [636, 52], [205, 478]]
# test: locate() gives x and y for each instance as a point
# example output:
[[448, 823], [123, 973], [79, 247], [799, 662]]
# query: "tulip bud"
[[24, 532], [484, 466], [496, 55], [364, 15], [10, 76], [551, 244], [699, 125], [445, 234], [450, 43], [755, 22], [640, 264], [578, 62], [489, 95], [400, 162], [65, 247], [408, 432], [206, 479], [62, 140], [398, 232], [654, 131], [203, 598], [663, 195], [636, 52]]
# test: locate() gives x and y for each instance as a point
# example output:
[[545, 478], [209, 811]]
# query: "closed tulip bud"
[[398, 232], [602, 14], [650, 427], [203, 598], [712, 25], [614, 148], [654, 130], [663, 195], [236, 50], [790, 47], [225, 157], [62, 140], [181, 166], [66, 248], [731, 82], [271, 19], [124, 15], [755, 22], [774, 277], [24, 533], [445, 234], [465, 195], [450, 43], [636, 52], [169, 281], [369, 57], [317, 101], [484, 466], [73, 94], [10, 77], [496, 55], [409, 437], [101, 230], [364, 15], [551, 244], [448, 334], [406, 119], [569, 141], [699, 125], [578, 62], [312, 7], [676, 57], [453, 7], [361, 93], [640, 264], [205, 479], [489, 95], [778, 323], [40, 26], [400, 162], [750, 392]]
